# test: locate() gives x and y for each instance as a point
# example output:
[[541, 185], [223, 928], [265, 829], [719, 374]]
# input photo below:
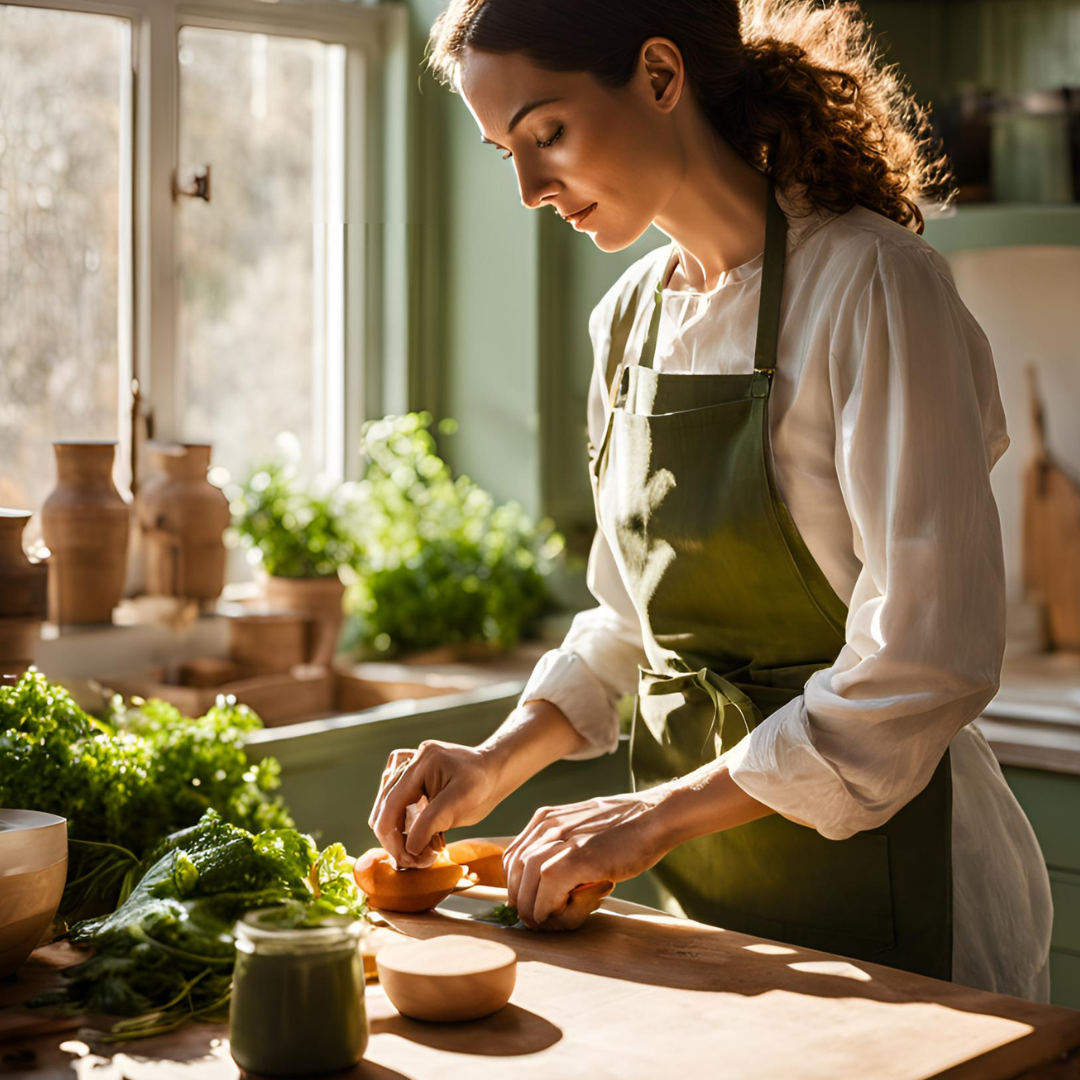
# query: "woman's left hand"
[[615, 837]]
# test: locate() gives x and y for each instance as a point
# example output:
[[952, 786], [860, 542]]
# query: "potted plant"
[[303, 535], [442, 564]]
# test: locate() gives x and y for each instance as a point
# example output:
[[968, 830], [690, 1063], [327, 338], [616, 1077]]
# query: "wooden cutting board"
[[644, 995]]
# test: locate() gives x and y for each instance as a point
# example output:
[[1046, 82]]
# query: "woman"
[[793, 418]]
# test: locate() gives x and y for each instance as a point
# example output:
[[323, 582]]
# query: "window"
[[65, 238], [259, 343], [258, 310]]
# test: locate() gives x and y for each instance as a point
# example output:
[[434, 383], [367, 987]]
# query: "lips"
[[578, 217]]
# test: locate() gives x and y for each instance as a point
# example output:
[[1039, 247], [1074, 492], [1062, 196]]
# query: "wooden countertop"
[[628, 996]]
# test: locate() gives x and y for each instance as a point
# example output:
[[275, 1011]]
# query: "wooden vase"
[[182, 518], [23, 584], [317, 599], [85, 525]]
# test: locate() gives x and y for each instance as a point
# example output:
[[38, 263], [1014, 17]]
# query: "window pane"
[[64, 125], [252, 351]]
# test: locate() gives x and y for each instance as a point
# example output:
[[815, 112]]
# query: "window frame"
[[374, 310]]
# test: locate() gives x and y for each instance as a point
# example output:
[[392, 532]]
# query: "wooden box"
[[280, 698]]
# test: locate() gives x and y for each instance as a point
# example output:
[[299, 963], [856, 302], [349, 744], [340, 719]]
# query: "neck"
[[716, 215]]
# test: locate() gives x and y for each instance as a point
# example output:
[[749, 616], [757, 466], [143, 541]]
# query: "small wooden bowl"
[[33, 868], [447, 979]]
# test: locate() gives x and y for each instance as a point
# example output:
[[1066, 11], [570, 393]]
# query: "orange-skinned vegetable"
[[412, 890], [482, 858]]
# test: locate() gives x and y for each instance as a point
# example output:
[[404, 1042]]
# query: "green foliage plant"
[[127, 781], [442, 562], [297, 529]]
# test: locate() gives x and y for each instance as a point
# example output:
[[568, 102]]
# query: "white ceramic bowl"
[[33, 868]]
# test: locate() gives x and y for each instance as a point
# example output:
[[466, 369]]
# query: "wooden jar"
[[23, 584], [23, 596], [182, 517], [317, 599], [85, 524], [265, 644]]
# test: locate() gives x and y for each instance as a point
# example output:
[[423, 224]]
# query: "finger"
[[389, 777], [528, 883], [434, 819], [514, 861], [555, 884], [522, 838], [583, 901], [389, 825]]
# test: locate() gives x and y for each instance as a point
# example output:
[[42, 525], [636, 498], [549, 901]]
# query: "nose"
[[536, 191]]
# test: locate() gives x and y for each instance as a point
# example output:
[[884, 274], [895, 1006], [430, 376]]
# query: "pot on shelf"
[[267, 643], [183, 517], [23, 584], [85, 523], [317, 599], [19, 639]]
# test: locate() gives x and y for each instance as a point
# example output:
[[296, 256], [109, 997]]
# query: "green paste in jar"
[[298, 997]]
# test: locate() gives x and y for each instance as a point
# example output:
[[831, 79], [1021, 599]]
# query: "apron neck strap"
[[772, 284]]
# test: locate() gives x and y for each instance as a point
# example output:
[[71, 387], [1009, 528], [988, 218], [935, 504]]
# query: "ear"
[[661, 67]]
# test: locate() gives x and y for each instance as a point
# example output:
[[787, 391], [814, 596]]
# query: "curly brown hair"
[[799, 90]]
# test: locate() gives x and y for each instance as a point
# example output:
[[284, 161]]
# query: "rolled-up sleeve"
[[919, 425], [597, 662]]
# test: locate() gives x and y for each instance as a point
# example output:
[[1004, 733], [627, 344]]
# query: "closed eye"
[[541, 145]]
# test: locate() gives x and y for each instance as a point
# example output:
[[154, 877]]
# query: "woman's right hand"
[[460, 787]]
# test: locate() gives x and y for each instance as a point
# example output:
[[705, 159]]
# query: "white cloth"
[[885, 422]]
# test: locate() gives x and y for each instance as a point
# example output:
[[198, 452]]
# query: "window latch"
[[197, 187]]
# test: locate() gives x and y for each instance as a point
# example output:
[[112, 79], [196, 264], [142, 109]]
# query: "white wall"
[[1027, 300]]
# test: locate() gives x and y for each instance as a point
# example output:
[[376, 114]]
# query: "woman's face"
[[611, 157]]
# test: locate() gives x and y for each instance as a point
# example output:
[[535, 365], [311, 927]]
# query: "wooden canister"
[[263, 644], [23, 584], [85, 525], [183, 517], [317, 599]]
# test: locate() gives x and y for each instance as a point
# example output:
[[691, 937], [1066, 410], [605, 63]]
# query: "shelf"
[[991, 225]]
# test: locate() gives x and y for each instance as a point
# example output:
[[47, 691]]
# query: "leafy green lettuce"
[[166, 954]]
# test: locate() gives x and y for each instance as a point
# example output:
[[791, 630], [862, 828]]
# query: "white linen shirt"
[[885, 421]]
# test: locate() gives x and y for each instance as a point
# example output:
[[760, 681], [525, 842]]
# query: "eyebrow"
[[520, 115]]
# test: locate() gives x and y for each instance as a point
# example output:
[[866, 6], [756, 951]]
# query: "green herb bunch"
[[299, 530], [125, 782], [442, 561], [166, 955]]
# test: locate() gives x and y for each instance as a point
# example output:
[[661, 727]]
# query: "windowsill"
[[99, 653]]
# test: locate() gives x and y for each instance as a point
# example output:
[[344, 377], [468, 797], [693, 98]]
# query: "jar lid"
[[277, 926]]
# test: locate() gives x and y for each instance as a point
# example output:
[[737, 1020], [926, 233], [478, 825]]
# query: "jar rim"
[[257, 927]]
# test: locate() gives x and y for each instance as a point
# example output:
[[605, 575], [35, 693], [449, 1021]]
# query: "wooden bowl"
[[33, 868], [447, 979]]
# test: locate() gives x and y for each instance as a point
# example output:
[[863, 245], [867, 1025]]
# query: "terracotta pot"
[[18, 644], [318, 599], [264, 644], [23, 584], [85, 525], [182, 517]]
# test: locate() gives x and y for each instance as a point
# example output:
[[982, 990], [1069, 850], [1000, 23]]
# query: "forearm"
[[531, 738], [705, 801]]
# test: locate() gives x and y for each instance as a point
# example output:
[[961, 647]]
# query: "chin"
[[609, 241]]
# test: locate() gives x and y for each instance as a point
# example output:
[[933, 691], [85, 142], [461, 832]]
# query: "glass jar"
[[298, 996]]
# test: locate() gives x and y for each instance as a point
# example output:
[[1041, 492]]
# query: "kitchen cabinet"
[[1052, 804]]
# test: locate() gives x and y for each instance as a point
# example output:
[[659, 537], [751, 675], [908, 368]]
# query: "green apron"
[[740, 615]]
